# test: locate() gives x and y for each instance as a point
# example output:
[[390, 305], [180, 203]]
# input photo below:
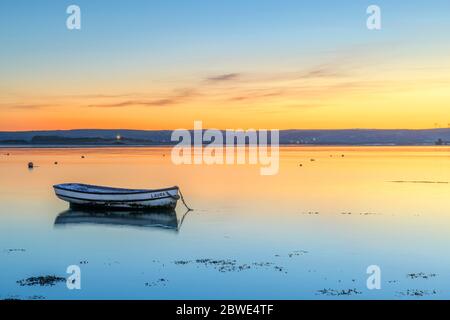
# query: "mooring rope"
[[182, 199], [184, 202]]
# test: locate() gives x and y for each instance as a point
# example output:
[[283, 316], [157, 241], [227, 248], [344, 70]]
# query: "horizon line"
[[292, 129]]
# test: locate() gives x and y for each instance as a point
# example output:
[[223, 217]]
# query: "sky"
[[262, 64]]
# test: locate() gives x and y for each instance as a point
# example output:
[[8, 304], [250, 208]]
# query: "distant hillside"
[[366, 137], [93, 137]]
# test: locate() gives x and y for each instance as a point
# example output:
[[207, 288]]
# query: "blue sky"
[[201, 33]]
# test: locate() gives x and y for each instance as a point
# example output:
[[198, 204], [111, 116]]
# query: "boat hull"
[[78, 195]]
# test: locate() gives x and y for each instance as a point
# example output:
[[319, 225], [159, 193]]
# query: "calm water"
[[311, 227]]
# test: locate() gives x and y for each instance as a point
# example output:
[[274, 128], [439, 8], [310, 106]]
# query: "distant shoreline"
[[88, 138], [172, 145]]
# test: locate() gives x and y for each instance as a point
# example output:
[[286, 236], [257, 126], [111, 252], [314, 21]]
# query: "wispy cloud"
[[100, 95], [24, 106], [322, 72], [260, 94], [177, 97], [224, 77]]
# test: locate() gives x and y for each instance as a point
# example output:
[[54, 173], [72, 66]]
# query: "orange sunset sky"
[[162, 65]]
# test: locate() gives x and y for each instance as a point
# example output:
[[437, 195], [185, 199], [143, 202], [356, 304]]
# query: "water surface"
[[309, 232]]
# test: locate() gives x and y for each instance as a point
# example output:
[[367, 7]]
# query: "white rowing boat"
[[83, 195]]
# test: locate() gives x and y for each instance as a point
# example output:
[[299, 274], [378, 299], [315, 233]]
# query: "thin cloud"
[[256, 95], [100, 95], [224, 77], [176, 98], [25, 106], [146, 103], [322, 72]]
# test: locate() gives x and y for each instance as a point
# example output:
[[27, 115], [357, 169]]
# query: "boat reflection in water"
[[165, 219]]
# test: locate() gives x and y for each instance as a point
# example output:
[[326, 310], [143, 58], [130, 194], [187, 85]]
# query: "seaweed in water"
[[421, 275], [182, 262], [229, 265], [368, 213], [17, 297], [223, 265], [343, 292], [295, 253], [161, 281], [417, 293], [393, 281], [42, 281], [16, 250], [12, 298]]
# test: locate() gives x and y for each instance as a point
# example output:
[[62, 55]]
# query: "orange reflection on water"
[[387, 180]]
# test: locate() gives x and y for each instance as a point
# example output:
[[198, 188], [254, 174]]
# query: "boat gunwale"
[[119, 192], [115, 201]]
